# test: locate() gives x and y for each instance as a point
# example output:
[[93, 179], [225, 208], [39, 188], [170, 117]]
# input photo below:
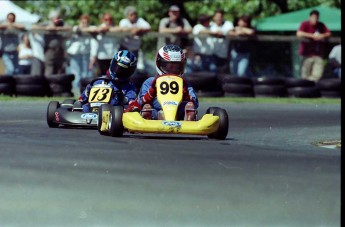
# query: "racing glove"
[[133, 106], [151, 93], [186, 95]]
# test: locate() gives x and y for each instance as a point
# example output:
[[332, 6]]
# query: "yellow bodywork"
[[169, 95], [133, 122], [105, 121]]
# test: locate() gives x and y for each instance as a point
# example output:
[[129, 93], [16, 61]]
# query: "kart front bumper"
[[133, 122]]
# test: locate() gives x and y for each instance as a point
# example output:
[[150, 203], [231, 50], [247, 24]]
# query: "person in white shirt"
[[81, 49], [335, 60], [176, 25], [107, 45], [221, 27], [24, 55], [37, 45], [203, 46], [134, 25]]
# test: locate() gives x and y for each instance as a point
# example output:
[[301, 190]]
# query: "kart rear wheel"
[[101, 110], [52, 106], [115, 122], [223, 128]]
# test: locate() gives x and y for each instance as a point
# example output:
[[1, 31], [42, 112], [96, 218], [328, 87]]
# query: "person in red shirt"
[[312, 50]]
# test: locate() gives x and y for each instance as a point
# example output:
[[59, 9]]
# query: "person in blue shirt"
[[170, 60], [122, 66]]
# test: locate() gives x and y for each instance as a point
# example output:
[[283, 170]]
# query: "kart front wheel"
[[115, 122], [223, 128], [103, 119], [52, 106]]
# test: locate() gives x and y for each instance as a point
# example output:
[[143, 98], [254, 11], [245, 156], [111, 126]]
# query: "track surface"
[[266, 173]]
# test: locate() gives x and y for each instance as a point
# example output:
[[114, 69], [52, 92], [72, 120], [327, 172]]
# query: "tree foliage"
[[154, 10]]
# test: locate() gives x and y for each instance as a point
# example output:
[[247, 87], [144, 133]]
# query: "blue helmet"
[[123, 65]]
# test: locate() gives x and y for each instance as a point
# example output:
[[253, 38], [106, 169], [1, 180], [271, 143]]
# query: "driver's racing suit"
[[155, 104], [127, 94]]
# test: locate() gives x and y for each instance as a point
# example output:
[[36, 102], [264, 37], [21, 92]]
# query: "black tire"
[[296, 82], [329, 85], [269, 90], [7, 88], [238, 88], [31, 90], [202, 93], [52, 106], [268, 81], [242, 95], [101, 109], [28, 79], [211, 110], [330, 94], [138, 79], [64, 94], [60, 78], [85, 81], [304, 92], [59, 88], [223, 128], [237, 80], [6, 79], [116, 126], [201, 80]]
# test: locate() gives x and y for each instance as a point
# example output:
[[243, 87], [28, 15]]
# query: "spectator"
[[335, 60], [203, 46], [107, 45], [312, 50], [24, 55], [37, 45], [241, 49], [221, 29], [54, 49], [176, 25], [136, 26], [81, 49], [10, 42]]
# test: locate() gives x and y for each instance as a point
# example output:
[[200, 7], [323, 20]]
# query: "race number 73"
[[166, 87], [100, 94]]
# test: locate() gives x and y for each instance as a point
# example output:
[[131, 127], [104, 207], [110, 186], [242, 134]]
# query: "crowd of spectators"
[[41, 51]]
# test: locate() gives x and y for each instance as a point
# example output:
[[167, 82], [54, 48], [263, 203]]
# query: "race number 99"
[[165, 87]]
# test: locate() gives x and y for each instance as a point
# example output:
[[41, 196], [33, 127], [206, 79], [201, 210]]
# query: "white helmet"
[[170, 59]]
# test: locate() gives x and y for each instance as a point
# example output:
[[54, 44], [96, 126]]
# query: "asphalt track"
[[266, 173]]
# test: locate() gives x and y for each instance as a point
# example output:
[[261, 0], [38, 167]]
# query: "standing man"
[[54, 49], [176, 25], [10, 42], [203, 46], [221, 29], [136, 26], [313, 49]]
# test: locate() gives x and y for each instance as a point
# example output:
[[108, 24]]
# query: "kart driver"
[[122, 66], [170, 59]]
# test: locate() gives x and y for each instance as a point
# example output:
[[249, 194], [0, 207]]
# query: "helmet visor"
[[172, 67], [119, 71]]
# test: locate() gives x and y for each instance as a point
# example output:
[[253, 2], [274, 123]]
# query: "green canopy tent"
[[290, 21]]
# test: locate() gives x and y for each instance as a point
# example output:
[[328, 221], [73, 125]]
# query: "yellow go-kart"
[[113, 121]]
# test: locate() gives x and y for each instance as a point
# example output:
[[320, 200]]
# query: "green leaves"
[[154, 10]]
